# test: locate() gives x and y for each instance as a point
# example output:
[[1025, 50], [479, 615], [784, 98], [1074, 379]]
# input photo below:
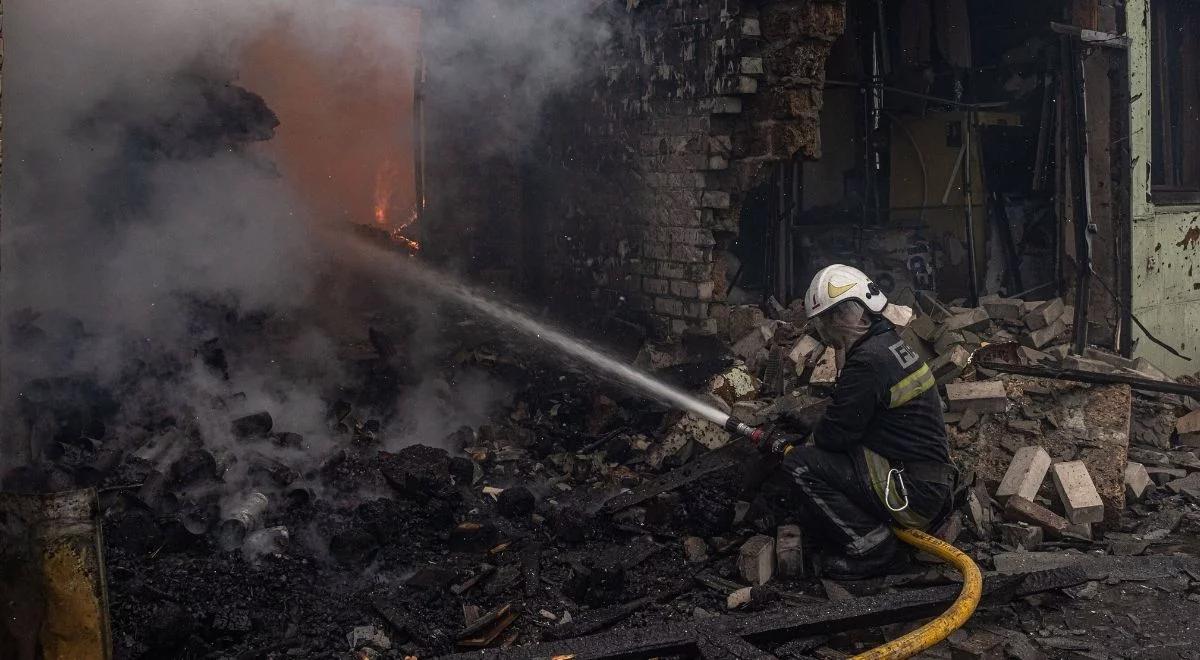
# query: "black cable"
[[1134, 318]]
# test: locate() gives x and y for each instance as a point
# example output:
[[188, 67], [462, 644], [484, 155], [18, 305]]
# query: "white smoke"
[[115, 228]]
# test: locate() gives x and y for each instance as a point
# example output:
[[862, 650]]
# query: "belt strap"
[[932, 472]]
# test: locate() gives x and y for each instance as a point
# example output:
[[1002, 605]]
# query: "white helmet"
[[837, 283]]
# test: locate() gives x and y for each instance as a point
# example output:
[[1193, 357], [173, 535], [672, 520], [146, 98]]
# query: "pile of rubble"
[[581, 510]]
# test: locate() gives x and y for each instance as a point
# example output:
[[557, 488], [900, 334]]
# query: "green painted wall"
[[1165, 246]]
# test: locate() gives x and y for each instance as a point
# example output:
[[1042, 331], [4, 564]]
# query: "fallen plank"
[[1097, 567], [707, 464], [719, 646], [1143, 384], [824, 618]]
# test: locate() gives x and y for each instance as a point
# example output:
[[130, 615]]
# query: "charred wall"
[[695, 102], [640, 169]]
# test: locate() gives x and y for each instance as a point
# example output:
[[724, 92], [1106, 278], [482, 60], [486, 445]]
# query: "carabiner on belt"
[[896, 474]]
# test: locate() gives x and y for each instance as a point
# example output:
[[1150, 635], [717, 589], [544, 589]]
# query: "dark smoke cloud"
[[136, 192]]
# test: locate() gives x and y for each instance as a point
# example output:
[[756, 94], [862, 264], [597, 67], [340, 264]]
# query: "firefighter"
[[878, 455]]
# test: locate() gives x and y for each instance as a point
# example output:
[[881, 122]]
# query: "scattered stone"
[[368, 636], [750, 597], [1189, 423], [1078, 494], [756, 560], [1044, 314], [824, 374], [253, 426], [971, 320], [899, 315], [1079, 531], [1025, 537], [1189, 486], [1019, 509], [981, 396], [1025, 474], [978, 645], [1137, 480], [734, 385], [1161, 475], [695, 550], [743, 319], [947, 366], [1007, 309], [1039, 338], [789, 555], [515, 502], [968, 420], [806, 348]]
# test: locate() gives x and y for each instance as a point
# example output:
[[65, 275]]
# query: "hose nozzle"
[[735, 425]]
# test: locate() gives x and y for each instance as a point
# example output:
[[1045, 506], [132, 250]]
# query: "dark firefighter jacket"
[[885, 400]]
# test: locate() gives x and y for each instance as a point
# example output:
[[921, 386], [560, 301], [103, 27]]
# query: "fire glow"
[[385, 187]]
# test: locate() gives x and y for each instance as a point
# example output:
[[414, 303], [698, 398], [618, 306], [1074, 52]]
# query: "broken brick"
[[1020, 509], [756, 560], [789, 556], [1044, 314], [1189, 423], [1077, 492], [1022, 536], [981, 396], [1025, 474], [1137, 480], [947, 366]]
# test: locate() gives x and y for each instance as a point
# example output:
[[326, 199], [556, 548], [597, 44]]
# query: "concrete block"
[[1093, 353], [1078, 494], [1081, 531], [1045, 314], [1137, 480], [695, 550], [973, 320], [1087, 364], [947, 366], [1007, 309], [925, 328], [1189, 423], [981, 396], [946, 340], [1019, 509], [789, 556], [743, 319], [1025, 474], [1046, 335], [806, 347], [1144, 368], [1023, 536], [756, 560], [825, 372], [899, 315], [1033, 356], [1162, 475]]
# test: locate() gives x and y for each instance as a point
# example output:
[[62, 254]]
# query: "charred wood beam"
[[825, 618], [1092, 37], [1143, 384], [707, 464]]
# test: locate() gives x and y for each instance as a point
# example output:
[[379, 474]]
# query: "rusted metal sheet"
[[53, 598]]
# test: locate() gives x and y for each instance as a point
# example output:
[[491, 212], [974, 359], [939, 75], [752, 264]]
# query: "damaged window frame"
[[1175, 87]]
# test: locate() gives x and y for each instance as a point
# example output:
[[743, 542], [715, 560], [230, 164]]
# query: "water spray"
[[447, 287]]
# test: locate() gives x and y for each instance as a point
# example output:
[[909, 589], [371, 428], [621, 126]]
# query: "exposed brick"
[[669, 306], [1025, 474], [655, 286]]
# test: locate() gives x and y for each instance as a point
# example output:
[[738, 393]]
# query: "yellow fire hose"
[[950, 620]]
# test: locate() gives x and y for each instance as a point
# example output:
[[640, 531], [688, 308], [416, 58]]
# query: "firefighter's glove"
[[779, 443]]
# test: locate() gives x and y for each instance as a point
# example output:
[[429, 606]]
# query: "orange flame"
[[384, 191]]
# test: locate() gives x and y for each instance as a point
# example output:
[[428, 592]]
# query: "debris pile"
[[577, 510]]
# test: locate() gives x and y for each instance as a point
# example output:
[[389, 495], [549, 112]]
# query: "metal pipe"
[[972, 267]]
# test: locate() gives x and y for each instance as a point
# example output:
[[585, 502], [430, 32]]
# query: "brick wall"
[[650, 164], [618, 200]]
